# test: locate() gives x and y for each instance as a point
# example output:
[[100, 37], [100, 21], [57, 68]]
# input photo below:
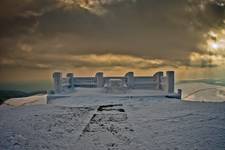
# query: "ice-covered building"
[[115, 84]]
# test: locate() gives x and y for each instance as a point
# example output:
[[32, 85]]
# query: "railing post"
[[130, 79], [70, 80], [158, 78], [170, 81], [57, 81], [99, 79], [179, 93]]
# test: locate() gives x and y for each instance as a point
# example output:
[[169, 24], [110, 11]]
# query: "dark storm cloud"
[[207, 13], [20, 17], [141, 29]]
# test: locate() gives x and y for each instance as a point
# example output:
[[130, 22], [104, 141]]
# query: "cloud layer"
[[142, 34]]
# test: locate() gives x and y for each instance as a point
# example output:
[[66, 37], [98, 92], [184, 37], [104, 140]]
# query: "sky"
[[38, 37]]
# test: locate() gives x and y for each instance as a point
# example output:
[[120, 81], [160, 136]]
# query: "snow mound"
[[30, 100], [202, 92]]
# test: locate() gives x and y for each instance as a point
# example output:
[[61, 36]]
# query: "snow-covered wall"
[[156, 82]]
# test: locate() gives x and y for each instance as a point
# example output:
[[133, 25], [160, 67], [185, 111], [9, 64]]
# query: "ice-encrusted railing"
[[156, 82]]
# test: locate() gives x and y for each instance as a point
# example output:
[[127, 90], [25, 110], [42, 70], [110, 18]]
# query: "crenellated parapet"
[[156, 82]]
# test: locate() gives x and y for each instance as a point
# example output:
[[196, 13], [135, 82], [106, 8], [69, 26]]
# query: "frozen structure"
[[115, 86], [116, 83]]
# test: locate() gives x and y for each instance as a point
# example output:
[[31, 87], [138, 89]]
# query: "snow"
[[30, 100], [42, 127], [202, 92], [98, 121]]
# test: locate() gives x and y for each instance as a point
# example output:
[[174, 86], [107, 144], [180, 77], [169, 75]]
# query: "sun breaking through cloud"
[[47, 35]]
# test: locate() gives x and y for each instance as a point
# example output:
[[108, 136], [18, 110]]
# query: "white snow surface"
[[132, 121], [30, 100], [202, 92]]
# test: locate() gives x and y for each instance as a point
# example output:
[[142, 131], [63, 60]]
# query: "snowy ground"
[[95, 121], [42, 127], [203, 92], [31, 100], [129, 123]]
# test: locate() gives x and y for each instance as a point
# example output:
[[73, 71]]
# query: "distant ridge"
[[26, 86], [7, 94]]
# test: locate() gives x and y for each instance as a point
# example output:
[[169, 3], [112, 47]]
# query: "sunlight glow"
[[215, 42], [214, 45], [211, 50]]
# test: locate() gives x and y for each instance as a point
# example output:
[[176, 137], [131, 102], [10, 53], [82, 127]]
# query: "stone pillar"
[[130, 80], [179, 93], [158, 78], [170, 81], [70, 79], [99, 79], [57, 81]]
